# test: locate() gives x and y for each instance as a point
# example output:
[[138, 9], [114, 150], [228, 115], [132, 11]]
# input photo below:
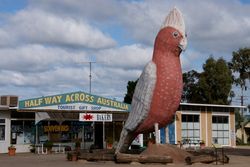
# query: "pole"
[[113, 132], [157, 139], [36, 134], [83, 136], [167, 134], [90, 76], [103, 135], [93, 124], [242, 121]]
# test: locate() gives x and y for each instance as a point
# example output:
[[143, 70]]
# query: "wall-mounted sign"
[[80, 101], [56, 128], [94, 117]]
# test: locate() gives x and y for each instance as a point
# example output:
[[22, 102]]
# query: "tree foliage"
[[215, 82], [212, 86], [238, 119], [190, 86], [130, 91], [240, 64]]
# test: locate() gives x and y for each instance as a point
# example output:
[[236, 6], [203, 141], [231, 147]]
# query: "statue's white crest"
[[175, 19]]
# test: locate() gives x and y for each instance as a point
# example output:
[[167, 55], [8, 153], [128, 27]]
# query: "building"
[[245, 130], [211, 124], [63, 119], [7, 104], [93, 120]]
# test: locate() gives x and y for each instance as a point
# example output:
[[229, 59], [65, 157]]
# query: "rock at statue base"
[[178, 155]]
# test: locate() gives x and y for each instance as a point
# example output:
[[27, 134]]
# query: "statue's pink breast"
[[166, 95]]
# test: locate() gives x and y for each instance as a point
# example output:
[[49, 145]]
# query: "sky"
[[45, 45]]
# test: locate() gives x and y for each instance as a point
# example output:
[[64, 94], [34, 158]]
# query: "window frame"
[[19, 132], [4, 128], [191, 119], [221, 129]]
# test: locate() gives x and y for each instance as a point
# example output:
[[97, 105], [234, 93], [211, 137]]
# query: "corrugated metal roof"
[[212, 105]]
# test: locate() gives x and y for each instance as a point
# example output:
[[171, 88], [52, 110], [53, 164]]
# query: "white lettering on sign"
[[83, 107], [94, 117], [103, 117], [66, 107]]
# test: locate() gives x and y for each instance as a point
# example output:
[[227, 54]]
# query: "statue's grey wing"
[[142, 97]]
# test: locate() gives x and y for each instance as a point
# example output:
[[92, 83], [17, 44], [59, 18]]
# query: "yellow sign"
[[56, 128]]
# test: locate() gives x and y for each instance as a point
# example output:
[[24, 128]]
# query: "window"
[[2, 129], [220, 130], [22, 132], [190, 127], [68, 131]]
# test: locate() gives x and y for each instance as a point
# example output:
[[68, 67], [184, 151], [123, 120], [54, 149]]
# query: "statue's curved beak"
[[183, 43]]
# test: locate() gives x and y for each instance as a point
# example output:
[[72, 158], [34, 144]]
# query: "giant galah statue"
[[158, 91]]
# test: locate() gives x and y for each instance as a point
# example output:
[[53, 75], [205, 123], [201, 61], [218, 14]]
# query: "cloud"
[[36, 26], [92, 10], [112, 81], [129, 57], [53, 77], [43, 45], [211, 25], [5, 38], [35, 58], [139, 20], [217, 26], [189, 57]]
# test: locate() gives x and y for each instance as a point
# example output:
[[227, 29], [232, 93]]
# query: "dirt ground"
[[59, 160]]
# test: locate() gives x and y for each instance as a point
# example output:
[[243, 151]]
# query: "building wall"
[[209, 128], [4, 144], [232, 130], [206, 126], [203, 126], [178, 126]]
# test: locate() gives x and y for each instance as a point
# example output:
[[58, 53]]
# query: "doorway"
[[99, 135]]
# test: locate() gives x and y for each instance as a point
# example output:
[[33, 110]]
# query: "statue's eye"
[[175, 34]]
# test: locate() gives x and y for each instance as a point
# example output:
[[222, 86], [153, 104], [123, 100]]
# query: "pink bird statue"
[[158, 91]]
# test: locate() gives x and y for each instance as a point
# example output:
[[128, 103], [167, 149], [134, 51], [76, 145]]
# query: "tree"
[[215, 82], [240, 65], [130, 91], [238, 119], [190, 88], [212, 86]]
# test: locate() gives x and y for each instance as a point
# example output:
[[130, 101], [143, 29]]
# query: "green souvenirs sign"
[[74, 101]]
